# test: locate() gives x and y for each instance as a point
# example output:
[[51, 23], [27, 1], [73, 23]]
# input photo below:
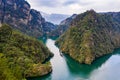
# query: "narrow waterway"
[[65, 68]]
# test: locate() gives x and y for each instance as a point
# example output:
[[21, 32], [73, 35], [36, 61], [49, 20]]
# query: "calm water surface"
[[65, 68]]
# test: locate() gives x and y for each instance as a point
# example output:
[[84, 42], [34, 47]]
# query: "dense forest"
[[21, 56], [91, 35], [84, 37]]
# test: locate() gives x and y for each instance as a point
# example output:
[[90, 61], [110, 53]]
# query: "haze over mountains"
[[54, 18], [84, 37], [63, 26]]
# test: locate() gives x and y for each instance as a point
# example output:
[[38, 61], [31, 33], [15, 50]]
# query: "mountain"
[[22, 56], [19, 15], [91, 35], [63, 26], [54, 18], [68, 20], [115, 16]]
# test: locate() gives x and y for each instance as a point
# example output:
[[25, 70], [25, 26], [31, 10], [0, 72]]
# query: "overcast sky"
[[74, 6]]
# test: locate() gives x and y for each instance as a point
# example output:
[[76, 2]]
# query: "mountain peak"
[[89, 37], [91, 11], [86, 17]]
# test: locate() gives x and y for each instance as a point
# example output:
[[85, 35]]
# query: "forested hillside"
[[90, 36], [21, 56]]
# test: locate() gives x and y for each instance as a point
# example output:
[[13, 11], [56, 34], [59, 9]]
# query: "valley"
[[60, 40], [65, 68]]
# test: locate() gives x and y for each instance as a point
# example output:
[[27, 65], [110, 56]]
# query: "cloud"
[[70, 2], [47, 3], [80, 2], [74, 6]]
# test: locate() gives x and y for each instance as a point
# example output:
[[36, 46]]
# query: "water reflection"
[[81, 69], [65, 68], [110, 70]]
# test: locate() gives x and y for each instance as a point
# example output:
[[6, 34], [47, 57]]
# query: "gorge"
[[84, 46], [65, 68]]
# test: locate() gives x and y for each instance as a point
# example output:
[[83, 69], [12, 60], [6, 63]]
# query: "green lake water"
[[65, 68]]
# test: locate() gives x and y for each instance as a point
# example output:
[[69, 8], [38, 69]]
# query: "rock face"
[[18, 14], [63, 26], [90, 36]]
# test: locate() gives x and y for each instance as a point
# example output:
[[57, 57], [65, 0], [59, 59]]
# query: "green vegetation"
[[91, 36], [5, 72], [21, 56]]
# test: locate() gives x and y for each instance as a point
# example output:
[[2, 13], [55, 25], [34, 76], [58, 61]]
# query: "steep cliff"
[[90, 36], [19, 15]]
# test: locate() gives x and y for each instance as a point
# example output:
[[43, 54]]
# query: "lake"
[[65, 68]]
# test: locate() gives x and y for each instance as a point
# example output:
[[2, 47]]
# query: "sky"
[[74, 6]]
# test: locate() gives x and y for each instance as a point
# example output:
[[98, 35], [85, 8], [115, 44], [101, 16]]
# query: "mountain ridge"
[[62, 27], [65, 24], [90, 36]]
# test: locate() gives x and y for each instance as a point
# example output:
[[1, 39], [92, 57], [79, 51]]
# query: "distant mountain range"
[[63, 26], [54, 18]]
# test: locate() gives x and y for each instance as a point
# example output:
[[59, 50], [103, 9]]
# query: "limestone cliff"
[[19, 15]]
